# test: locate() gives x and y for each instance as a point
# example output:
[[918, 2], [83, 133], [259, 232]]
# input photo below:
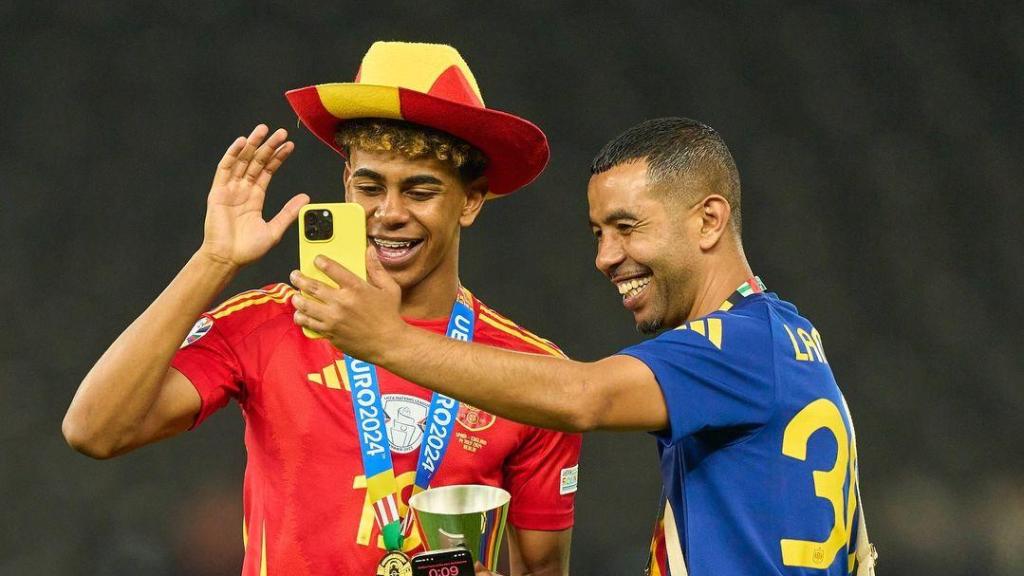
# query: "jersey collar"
[[753, 285], [438, 324]]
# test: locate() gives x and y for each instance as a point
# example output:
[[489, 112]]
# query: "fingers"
[[306, 321], [263, 155], [227, 163], [252, 143], [280, 155], [309, 311], [279, 224], [307, 285], [343, 276], [310, 307], [254, 159], [375, 272]]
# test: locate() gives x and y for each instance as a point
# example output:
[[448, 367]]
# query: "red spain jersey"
[[306, 510]]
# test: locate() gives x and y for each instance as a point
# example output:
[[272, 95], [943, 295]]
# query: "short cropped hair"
[[412, 141], [677, 148]]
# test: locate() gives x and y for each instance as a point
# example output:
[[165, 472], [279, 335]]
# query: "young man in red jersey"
[[422, 155]]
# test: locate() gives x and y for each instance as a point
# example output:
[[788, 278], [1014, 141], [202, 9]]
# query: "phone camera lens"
[[318, 225]]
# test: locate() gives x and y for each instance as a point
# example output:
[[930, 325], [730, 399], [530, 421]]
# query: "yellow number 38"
[[828, 484]]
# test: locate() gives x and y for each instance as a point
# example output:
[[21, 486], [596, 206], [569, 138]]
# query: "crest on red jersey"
[[475, 419]]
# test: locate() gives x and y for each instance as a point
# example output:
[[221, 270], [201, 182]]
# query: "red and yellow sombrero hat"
[[430, 85]]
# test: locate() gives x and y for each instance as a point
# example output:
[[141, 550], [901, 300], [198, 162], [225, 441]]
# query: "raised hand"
[[235, 231]]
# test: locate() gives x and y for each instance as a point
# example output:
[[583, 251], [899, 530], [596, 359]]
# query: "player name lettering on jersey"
[[809, 348]]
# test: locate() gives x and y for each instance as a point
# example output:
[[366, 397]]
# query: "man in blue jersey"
[[758, 453]]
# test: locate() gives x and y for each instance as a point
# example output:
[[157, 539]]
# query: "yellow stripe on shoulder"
[[279, 294], [504, 320], [511, 328], [249, 294], [710, 328], [235, 299]]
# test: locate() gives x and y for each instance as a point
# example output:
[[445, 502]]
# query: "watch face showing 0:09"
[[454, 562]]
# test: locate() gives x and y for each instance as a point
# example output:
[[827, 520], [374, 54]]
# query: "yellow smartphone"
[[338, 231]]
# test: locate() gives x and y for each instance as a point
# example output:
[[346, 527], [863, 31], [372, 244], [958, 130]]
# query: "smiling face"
[[415, 209], [646, 245]]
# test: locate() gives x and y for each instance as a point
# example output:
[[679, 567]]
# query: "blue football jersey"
[[759, 459]]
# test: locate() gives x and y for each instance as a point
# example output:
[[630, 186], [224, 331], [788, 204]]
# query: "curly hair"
[[412, 141]]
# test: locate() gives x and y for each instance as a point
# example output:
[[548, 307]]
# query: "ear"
[[715, 213], [476, 194], [346, 176]]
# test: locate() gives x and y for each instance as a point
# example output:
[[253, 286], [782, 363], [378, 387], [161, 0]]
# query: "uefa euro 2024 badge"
[[199, 329]]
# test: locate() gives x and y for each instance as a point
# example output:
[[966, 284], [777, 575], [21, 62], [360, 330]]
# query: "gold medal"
[[394, 563]]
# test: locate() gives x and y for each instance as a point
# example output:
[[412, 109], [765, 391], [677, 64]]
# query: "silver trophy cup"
[[468, 516]]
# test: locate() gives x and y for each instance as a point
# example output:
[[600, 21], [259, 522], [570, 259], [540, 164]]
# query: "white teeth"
[[392, 243], [630, 288]]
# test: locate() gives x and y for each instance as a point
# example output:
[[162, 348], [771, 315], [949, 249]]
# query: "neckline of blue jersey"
[[753, 285]]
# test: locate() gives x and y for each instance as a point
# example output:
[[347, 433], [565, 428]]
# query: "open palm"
[[235, 231]]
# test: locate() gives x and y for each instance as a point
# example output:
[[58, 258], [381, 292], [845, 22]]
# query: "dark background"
[[880, 150]]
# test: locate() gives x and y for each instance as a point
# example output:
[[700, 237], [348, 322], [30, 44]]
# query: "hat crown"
[[428, 68], [427, 85]]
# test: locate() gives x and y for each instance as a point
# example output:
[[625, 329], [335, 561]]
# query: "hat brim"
[[517, 150]]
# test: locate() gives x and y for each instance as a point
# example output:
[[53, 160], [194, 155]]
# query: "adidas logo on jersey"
[[332, 376], [710, 328]]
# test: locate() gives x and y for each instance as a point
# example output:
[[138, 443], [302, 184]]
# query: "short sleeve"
[[209, 363], [709, 385], [542, 478]]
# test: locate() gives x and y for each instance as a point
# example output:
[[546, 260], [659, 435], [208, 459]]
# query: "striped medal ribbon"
[[367, 405]]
